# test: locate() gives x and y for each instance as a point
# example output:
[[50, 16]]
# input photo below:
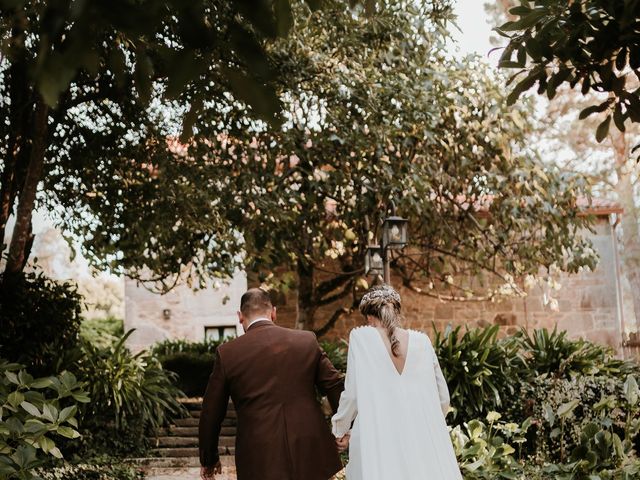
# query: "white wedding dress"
[[399, 431]]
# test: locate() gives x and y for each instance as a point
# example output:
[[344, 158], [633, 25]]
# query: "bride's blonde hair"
[[383, 302]]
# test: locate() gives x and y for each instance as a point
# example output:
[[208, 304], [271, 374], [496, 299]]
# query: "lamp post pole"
[[387, 265]]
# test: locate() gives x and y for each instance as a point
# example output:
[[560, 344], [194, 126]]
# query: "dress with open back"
[[400, 432]]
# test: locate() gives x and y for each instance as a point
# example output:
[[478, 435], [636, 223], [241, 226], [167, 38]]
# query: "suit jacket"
[[271, 374]]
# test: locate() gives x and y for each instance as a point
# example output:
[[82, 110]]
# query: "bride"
[[397, 395]]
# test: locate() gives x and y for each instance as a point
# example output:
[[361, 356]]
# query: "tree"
[[77, 79], [591, 43], [398, 121], [607, 162]]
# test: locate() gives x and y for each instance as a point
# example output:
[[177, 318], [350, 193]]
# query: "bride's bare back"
[[403, 347]]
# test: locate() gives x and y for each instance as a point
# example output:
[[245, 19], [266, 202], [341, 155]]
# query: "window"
[[220, 333]]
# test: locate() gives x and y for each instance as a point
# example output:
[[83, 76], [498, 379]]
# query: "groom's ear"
[[240, 316], [273, 314]]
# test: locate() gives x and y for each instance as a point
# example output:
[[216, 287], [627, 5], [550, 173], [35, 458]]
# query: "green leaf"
[[15, 399], [566, 408], [67, 432], [40, 383], [67, 413], [31, 409], [631, 391], [603, 129], [12, 377]]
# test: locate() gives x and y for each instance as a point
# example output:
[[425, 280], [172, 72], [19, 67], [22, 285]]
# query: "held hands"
[[343, 442], [208, 473]]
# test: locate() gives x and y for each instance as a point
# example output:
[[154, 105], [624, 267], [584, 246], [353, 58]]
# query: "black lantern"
[[395, 232], [374, 260]]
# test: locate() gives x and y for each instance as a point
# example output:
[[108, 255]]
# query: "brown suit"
[[271, 374]]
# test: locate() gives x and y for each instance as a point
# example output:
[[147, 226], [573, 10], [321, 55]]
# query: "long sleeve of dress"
[[443, 389], [348, 408]]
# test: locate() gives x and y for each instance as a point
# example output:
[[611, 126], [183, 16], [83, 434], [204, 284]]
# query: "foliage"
[[337, 353], [192, 362], [172, 346], [90, 471], [603, 447], [83, 82], [102, 332], [131, 395], [591, 43], [554, 354], [487, 451], [39, 319], [127, 387], [482, 372], [34, 415], [398, 121], [192, 371]]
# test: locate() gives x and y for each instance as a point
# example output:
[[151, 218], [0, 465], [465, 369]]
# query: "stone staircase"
[[175, 452]]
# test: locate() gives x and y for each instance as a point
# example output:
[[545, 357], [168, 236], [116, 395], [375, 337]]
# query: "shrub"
[[192, 362], [35, 413], [102, 332], [603, 447], [554, 354], [131, 395], [481, 370], [486, 451], [337, 353], [39, 319], [586, 400], [192, 371], [170, 347], [83, 471]]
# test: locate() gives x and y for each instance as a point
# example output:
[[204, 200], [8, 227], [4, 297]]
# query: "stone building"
[[594, 305], [183, 313]]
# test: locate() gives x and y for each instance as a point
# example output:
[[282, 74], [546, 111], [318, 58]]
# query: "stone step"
[[193, 422], [188, 452], [167, 462], [176, 442], [179, 468], [173, 431]]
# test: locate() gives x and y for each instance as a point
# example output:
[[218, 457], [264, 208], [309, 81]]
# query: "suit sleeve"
[[214, 410], [328, 379], [348, 410]]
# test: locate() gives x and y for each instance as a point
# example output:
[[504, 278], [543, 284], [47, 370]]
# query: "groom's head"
[[255, 303]]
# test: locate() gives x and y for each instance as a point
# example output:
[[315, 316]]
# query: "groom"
[[271, 373]]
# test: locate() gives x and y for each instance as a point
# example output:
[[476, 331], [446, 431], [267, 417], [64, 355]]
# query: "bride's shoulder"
[[361, 331], [421, 335]]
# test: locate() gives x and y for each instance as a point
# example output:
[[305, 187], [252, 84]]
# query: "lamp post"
[[395, 235]]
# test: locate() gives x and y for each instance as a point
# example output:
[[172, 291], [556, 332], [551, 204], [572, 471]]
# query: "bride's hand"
[[343, 443]]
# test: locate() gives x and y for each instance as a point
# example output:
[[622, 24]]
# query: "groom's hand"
[[343, 443], [208, 473]]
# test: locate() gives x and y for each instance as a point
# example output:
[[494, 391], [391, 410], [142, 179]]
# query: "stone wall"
[[588, 304], [182, 313]]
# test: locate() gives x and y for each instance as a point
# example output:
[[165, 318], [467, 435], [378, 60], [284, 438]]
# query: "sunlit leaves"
[[590, 43]]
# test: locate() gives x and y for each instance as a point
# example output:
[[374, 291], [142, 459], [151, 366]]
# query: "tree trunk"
[[306, 309], [630, 218], [19, 123], [22, 236]]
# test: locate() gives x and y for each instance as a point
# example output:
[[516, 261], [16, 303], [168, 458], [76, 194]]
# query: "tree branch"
[[332, 321]]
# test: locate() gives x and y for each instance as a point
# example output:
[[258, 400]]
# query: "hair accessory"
[[383, 292]]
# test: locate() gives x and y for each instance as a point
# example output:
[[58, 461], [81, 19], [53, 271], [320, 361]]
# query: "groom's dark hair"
[[254, 301]]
